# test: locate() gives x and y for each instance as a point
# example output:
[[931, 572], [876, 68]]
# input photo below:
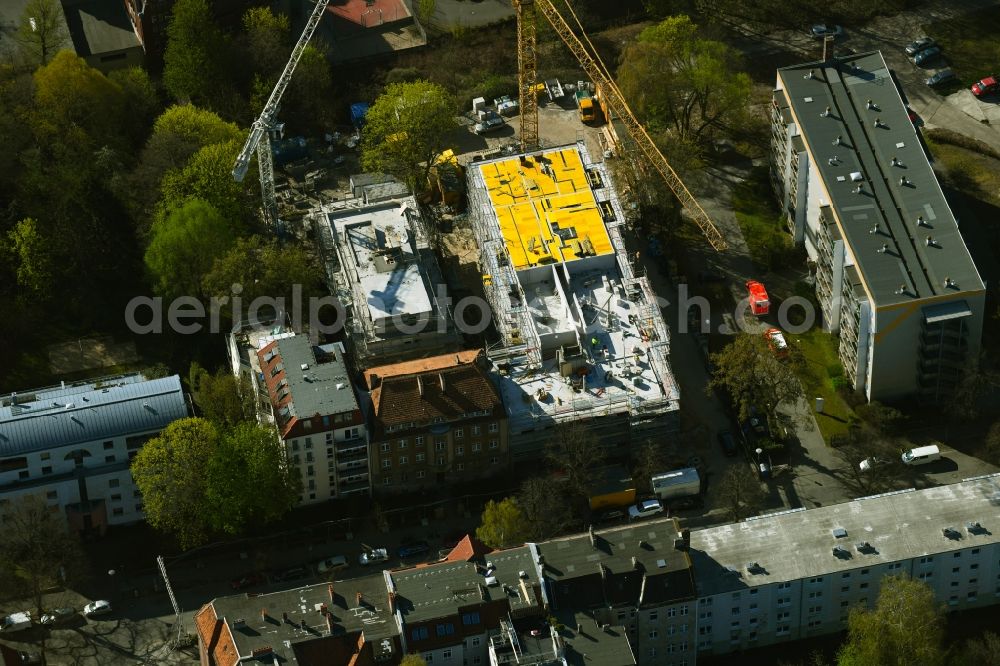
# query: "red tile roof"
[[467, 550], [216, 639], [438, 387]]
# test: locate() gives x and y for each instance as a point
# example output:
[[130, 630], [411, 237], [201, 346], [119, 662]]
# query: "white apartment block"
[[72, 445]]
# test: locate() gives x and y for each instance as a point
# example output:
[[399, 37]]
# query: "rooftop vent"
[[839, 141], [878, 122], [951, 533], [871, 105], [864, 547], [948, 282], [839, 532], [522, 574], [810, 75], [975, 528], [860, 189], [920, 220], [901, 290], [826, 113], [874, 229], [754, 568], [841, 552], [833, 160], [304, 366], [896, 162], [930, 241], [884, 248], [239, 622]]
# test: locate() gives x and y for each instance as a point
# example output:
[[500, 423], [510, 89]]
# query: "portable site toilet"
[[757, 294]]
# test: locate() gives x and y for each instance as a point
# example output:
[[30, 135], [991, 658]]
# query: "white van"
[[16, 622], [921, 455]]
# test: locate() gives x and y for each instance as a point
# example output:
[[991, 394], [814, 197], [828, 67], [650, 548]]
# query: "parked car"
[[776, 341], [15, 622], [685, 503], [295, 573], [988, 86], [922, 455], [758, 423], [413, 549], [248, 580], [645, 509], [926, 56], [610, 515], [728, 443], [490, 121], [871, 463], [918, 45], [373, 556], [824, 30], [940, 78], [57, 616], [332, 563], [96, 608]]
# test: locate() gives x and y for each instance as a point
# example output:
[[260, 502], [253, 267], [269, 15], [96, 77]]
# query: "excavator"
[[612, 101]]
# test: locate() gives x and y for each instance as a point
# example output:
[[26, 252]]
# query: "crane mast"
[[613, 100], [259, 139], [527, 75]]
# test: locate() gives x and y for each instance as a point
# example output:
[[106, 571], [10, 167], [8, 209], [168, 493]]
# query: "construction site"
[[582, 336]]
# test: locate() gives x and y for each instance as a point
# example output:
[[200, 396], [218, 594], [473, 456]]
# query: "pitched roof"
[[216, 637], [372, 375], [62, 416], [467, 550], [438, 389]]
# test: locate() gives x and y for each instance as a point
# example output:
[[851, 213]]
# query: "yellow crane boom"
[[613, 100]]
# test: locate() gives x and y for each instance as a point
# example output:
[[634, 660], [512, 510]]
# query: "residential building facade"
[[72, 444], [436, 420], [583, 337], [894, 277], [316, 413]]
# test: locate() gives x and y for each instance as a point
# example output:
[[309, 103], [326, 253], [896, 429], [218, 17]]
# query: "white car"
[[645, 509], [375, 555], [869, 464], [335, 563], [100, 607], [15, 622]]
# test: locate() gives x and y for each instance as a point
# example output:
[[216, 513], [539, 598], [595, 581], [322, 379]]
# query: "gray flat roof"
[[846, 86], [439, 590], [321, 388], [593, 645], [62, 416], [98, 26], [799, 544]]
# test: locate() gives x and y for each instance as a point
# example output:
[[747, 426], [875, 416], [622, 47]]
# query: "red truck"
[[757, 294]]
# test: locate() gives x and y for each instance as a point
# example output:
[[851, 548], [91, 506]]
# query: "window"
[[864, 572], [116, 497], [846, 588], [672, 629], [957, 555], [783, 630], [470, 618], [814, 595], [671, 612], [735, 624], [654, 616], [736, 596], [419, 633], [784, 601], [326, 421], [403, 460], [975, 551], [684, 611], [845, 604], [703, 631], [926, 575], [421, 457], [926, 560], [445, 629], [815, 609], [460, 467], [459, 450], [653, 634], [428, 658], [421, 473], [973, 581], [846, 574], [475, 641], [113, 483], [973, 567], [477, 447], [754, 591], [864, 586], [652, 652], [817, 579], [446, 654], [753, 606], [47, 470], [419, 440], [736, 610], [51, 495], [494, 460], [385, 447], [387, 481], [440, 461], [386, 464], [118, 512], [475, 430], [705, 615], [971, 596], [707, 601], [440, 445], [139, 508], [459, 433], [310, 471], [784, 586], [494, 444], [953, 600], [109, 445], [309, 442], [494, 427], [402, 443], [956, 569]]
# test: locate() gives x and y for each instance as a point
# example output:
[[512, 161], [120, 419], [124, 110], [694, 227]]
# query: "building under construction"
[[582, 336]]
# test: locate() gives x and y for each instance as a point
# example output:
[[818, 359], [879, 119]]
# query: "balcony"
[[351, 446], [351, 487], [351, 459]]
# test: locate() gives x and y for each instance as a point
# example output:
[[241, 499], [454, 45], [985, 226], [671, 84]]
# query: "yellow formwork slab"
[[529, 196]]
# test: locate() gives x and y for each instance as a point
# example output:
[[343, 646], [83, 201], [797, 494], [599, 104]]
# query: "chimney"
[[826, 113], [263, 613], [903, 181], [302, 623], [686, 535], [322, 609], [392, 602], [329, 621], [874, 229], [839, 140], [901, 290], [357, 599], [593, 539], [931, 242], [948, 282], [329, 588], [878, 122], [884, 248], [635, 562], [920, 220], [284, 617], [441, 378], [420, 386], [895, 162]]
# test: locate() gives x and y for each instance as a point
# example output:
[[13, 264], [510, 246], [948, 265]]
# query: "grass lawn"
[[760, 221], [968, 171], [970, 43], [819, 352]]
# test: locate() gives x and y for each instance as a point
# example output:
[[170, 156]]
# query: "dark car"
[[823, 30], [758, 423], [918, 45], [940, 78], [295, 573], [610, 515], [413, 549], [249, 580], [728, 443], [926, 56]]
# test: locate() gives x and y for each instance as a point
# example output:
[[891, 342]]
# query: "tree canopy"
[[184, 246], [740, 493], [222, 398], [41, 32], [191, 63], [545, 507], [197, 481], [576, 452], [207, 175], [406, 130], [753, 375], [32, 259], [906, 626], [502, 524]]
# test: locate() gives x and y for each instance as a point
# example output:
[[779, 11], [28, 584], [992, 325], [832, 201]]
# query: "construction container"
[[678, 483]]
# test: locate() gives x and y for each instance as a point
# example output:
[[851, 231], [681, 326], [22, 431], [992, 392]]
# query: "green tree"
[[183, 247], [740, 493], [208, 176], [753, 375], [249, 479], [502, 524], [312, 86], [222, 398], [267, 37], [33, 259], [140, 98], [170, 472], [406, 129], [191, 61], [264, 268], [981, 651], [41, 32], [677, 80], [905, 627], [993, 443], [37, 548], [413, 660]]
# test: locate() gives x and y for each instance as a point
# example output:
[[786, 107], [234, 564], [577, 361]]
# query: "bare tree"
[[545, 508], [37, 547], [578, 453], [42, 31], [740, 493], [871, 463], [649, 460]]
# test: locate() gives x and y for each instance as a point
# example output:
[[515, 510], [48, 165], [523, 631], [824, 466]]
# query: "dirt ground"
[[90, 353]]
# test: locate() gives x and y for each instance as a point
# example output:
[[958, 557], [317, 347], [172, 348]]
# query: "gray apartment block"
[[795, 575], [893, 274]]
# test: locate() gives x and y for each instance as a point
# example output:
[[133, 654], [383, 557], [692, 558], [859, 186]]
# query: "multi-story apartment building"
[[436, 420], [893, 274], [384, 272], [583, 336], [796, 574], [316, 412], [72, 444]]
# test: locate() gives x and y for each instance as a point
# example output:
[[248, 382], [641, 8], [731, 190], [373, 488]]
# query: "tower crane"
[[613, 100], [259, 138]]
